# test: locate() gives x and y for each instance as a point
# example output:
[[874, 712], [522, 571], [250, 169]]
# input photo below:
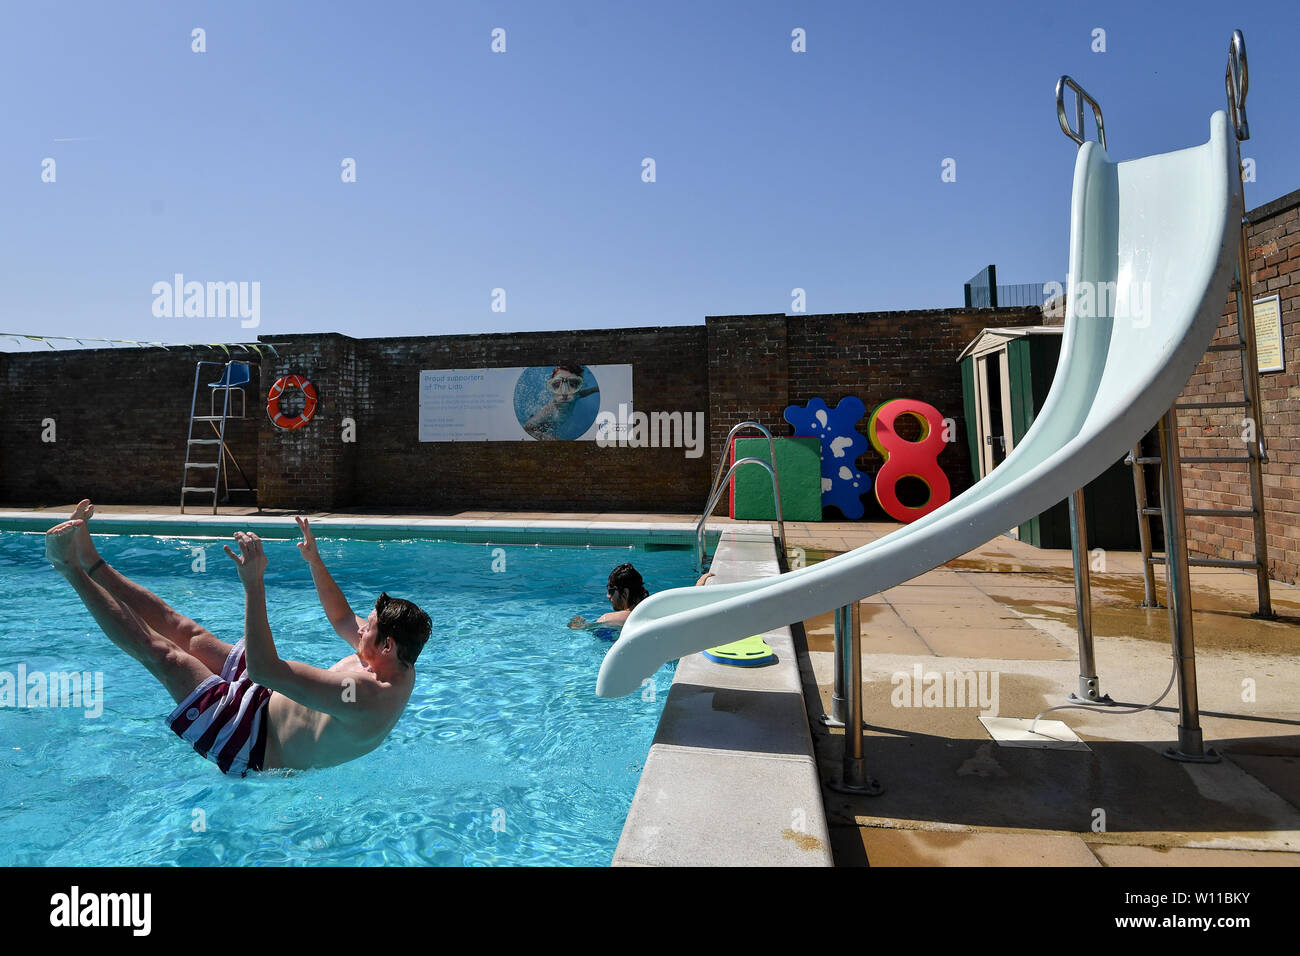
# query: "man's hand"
[[251, 558], [346, 624], [307, 546]]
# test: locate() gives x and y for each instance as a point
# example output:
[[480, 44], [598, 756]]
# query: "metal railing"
[[982, 291], [1236, 78], [1081, 96], [720, 482]]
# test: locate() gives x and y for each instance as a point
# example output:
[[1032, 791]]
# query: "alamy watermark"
[[179, 299], [53, 689], [654, 430], [923, 688], [1130, 300], [129, 910]]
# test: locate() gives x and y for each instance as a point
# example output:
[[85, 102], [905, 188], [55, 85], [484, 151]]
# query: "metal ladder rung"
[[202, 464], [1209, 562], [1181, 406], [1197, 460], [205, 441], [1207, 512], [208, 418], [1206, 460], [188, 488]]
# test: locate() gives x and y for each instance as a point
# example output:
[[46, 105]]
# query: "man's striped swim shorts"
[[225, 717]]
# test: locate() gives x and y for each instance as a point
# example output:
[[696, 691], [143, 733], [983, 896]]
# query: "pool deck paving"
[[1004, 614], [1000, 619]]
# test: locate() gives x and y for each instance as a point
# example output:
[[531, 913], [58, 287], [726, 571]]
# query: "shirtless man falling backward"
[[244, 707]]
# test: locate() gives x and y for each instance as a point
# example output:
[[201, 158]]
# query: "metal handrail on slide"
[[720, 482], [1080, 97]]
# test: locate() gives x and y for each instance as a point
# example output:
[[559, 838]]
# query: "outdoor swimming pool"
[[504, 756]]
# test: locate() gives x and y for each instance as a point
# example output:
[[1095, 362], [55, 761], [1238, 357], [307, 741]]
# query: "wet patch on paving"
[[954, 797]]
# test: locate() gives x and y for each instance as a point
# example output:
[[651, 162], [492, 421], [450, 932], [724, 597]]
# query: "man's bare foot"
[[87, 556], [61, 546]]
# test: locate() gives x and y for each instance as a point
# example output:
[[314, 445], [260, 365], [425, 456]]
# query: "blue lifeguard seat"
[[236, 373], [233, 379]]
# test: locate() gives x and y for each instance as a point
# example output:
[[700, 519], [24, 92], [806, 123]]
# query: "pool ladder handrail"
[[720, 482]]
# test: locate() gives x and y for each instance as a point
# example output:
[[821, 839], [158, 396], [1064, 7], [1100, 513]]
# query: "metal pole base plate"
[[829, 721], [1104, 700], [839, 707], [1157, 606], [1209, 756], [870, 788]]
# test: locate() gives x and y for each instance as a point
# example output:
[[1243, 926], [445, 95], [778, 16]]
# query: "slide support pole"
[[853, 778], [1089, 686], [838, 702], [1190, 747]]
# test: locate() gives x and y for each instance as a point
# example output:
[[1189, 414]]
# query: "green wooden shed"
[[1005, 376]]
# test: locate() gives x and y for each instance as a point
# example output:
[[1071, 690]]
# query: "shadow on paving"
[[931, 779]]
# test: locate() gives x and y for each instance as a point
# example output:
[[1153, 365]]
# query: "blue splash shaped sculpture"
[[842, 484]]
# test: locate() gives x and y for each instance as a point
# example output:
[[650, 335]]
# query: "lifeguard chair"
[[235, 376]]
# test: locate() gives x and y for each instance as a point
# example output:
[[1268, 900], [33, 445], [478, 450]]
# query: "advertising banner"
[[541, 403]]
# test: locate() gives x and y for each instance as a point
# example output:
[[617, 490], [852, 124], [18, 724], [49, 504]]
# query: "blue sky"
[[523, 170]]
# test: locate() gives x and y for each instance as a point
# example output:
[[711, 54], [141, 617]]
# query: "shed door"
[[993, 404]]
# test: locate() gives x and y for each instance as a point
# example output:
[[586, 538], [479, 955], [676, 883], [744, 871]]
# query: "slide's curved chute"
[[1152, 247]]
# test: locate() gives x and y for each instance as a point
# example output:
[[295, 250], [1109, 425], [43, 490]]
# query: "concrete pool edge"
[[731, 778]]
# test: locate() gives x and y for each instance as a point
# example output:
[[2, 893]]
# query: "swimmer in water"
[[565, 386], [625, 591], [244, 707]]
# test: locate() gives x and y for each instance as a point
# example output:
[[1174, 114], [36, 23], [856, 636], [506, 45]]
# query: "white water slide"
[[1164, 228]]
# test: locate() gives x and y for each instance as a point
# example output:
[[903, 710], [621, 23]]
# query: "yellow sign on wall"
[[1268, 335]]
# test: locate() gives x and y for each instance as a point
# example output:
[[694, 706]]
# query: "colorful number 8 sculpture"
[[903, 458]]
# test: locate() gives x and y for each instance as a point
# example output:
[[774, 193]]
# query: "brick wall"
[[5, 454], [748, 375], [734, 368], [885, 355], [120, 420], [133, 405], [1273, 241], [377, 384], [759, 364], [310, 468]]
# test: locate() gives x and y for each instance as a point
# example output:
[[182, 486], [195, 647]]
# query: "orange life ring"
[[278, 417]]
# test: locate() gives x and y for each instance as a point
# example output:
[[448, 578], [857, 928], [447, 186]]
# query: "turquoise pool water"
[[504, 756]]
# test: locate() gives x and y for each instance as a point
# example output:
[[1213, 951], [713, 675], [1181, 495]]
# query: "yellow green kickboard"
[[749, 652]]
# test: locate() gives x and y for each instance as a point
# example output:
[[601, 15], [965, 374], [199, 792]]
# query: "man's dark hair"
[[626, 576], [574, 367], [406, 624]]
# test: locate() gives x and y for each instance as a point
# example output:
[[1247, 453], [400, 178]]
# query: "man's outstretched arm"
[[340, 613], [259, 646], [339, 696]]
